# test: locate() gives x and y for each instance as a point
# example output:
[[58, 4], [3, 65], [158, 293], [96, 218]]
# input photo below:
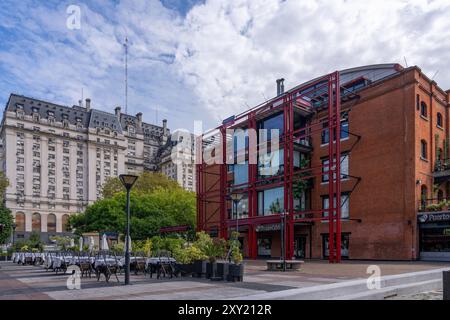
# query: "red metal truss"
[[323, 94]]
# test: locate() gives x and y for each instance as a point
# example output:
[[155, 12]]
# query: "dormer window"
[[35, 114], [79, 124], [131, 130], [51, 117], [19, 111]]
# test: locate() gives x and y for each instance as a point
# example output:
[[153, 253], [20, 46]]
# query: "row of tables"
[[54, 261]]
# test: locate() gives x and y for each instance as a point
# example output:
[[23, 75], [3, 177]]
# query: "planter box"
[[186, 269], [236, 272], [211, 270], [222, 270], [199, 268]]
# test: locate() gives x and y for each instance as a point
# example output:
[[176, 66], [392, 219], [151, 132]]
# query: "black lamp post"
[[236, 197], [14, 226], [128, 182]]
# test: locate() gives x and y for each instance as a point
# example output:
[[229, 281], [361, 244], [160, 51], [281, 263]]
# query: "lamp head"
[[128, 180], [236, 196]]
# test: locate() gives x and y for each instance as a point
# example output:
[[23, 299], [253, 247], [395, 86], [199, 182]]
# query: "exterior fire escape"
[[322, 95]]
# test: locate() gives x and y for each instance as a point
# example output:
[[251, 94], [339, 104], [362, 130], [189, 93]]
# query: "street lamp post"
[[14, 226], [128, 182], [236, 197]]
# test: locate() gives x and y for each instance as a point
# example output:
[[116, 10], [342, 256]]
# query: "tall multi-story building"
[[177, 159], [375, 139], [57, 158]]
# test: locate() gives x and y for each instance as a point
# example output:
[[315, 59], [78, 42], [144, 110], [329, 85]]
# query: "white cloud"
[[218, 59], [232, 52]]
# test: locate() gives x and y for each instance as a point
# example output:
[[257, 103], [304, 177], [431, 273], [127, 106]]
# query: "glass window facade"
[[271, 201], [242, 208], [240, 173]]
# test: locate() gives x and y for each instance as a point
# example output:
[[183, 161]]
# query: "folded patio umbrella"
[[105, 245], [91, 243], [80, 241], [72, 243]]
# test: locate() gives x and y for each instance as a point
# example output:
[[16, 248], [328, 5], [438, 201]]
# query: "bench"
[[277, 265]]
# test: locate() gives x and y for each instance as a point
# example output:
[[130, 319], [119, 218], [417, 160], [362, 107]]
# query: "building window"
[[423, 110], [345, 205], [423, 196], [418, 102], [36, 222], [20, 222], [439, 120], [344, 168], [51, 223], [345, 240], [423, 150], [326, 132], [242, 208], [271, 201]]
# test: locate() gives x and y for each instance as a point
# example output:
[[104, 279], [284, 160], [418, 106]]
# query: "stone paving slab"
[[33, 282]]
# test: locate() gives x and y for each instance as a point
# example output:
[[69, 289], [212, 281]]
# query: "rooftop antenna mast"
[[126, 74]]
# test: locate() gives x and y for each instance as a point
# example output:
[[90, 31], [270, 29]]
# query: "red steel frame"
[[219, 191]]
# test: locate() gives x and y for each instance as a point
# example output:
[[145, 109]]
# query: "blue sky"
[[205, 60]]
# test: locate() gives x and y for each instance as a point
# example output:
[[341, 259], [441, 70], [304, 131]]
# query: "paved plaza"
[[33, 282]]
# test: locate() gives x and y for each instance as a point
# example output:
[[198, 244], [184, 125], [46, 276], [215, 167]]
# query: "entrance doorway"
[[300, 247]]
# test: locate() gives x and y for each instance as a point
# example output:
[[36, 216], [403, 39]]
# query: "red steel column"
[[223, 183], [330, 172], [290, 217], [338, 166]]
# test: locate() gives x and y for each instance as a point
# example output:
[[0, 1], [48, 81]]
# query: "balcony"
[[434, 205], [442, 171]]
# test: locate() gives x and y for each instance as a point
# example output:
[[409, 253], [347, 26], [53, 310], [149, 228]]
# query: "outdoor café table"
[[100, 262], [58, 261], [156, 260]]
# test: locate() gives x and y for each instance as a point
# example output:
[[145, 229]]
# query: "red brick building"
[[392, 175]]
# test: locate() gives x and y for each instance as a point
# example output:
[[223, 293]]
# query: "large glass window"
[[242, 208], [240, 173], [271, 164], [51, 223], [20, 222], [271, 123], [271, 201], [36, 222]]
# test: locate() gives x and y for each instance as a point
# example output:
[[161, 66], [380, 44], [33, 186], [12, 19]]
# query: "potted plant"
[[185, 258], [235, 269], [202, 242], [215, 250]]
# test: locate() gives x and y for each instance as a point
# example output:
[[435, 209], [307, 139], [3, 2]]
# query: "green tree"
[[6, 220], [147, 182], [4, 183], [149, 212]]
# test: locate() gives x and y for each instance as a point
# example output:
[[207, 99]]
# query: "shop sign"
[[268, 227], [433, 217]]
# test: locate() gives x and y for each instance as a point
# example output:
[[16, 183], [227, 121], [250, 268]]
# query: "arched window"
[[439, 121], [20, 221], [423, 110], [423, 195], [423, 149], [51, 223], [65, 223], [440, 195], [36, 222]]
